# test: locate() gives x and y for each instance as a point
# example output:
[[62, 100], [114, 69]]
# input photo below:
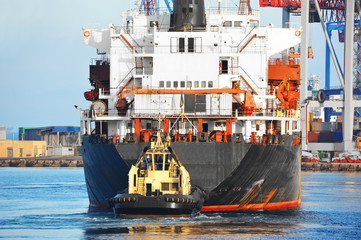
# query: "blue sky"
[[44, 62]]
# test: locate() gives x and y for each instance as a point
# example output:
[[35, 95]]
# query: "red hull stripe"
[[254, 207]]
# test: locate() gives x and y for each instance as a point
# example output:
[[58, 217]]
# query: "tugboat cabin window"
[[181, 44], [189, 84], [168, 159], [175, 84], [165, 186], [158, 162], [168, 84], [203, 84], [175, 186], [183, 84], [161, 84], [149, 162], [196, 84], [210, 84]]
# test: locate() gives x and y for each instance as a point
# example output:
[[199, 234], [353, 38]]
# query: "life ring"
[[86, 34], [298, 33], [321, 96], [115, 138]]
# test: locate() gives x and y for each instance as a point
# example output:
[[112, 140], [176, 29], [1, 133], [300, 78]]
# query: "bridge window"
[[189, 84], [175, 84], [168, 84], [182, 84], [210, 84], [161, 84], [190, 44], [227, 24], [181, 45], [203, 84], [237, 23], [196, 84]]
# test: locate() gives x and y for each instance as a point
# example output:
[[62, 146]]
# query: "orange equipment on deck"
[[284, 76]]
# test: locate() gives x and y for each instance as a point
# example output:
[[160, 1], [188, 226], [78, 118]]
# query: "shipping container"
[[338, 137], [323, 126], [313, 136], [339, 126], [326, 136]]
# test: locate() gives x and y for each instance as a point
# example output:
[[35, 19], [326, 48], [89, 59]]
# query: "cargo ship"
[[211, 82]]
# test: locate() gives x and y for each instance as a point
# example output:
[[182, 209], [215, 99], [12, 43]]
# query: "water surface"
[[52, 203]]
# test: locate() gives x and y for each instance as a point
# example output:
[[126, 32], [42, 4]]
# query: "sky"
[[44, 64]]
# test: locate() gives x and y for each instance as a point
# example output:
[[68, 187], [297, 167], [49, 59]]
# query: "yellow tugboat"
[[159, 185]]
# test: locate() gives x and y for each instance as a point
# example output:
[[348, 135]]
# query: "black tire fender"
[[321, 96]]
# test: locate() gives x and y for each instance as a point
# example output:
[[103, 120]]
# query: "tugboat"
[[159, 185]]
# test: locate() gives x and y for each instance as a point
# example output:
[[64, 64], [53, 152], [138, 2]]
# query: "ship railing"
[[231, 11], [90, 113], [148, 12], [279, 61], [104, 93], [216, 113], [219, 113], [144, 70], [117, 30], [149, 49], [100, 61]]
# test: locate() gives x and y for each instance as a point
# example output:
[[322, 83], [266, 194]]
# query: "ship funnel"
[[188, 15]]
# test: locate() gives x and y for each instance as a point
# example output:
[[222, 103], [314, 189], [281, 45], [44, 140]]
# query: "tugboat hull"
[[166, 205]]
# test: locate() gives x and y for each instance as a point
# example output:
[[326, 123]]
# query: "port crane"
[[151, 7], [344, 13]]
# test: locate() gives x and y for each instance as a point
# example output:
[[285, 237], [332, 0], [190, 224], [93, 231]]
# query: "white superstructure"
[[211, 70]]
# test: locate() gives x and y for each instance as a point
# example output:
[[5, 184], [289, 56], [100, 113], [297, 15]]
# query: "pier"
[[330, 167], [61, 161]]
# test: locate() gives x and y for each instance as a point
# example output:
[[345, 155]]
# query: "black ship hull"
[[235, 176]]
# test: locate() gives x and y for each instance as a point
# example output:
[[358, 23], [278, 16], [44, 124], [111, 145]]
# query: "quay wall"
[[73, 161], [332, 167]]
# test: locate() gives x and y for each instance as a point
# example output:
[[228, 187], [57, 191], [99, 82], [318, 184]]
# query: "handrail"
[[247, 43], [125, 77], [129, 44], [245, 37], [248, 84]]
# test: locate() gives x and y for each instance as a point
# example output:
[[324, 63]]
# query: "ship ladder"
[[140, 186]]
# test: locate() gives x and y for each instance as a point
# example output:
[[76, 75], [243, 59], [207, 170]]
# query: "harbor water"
[[51, 203]]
